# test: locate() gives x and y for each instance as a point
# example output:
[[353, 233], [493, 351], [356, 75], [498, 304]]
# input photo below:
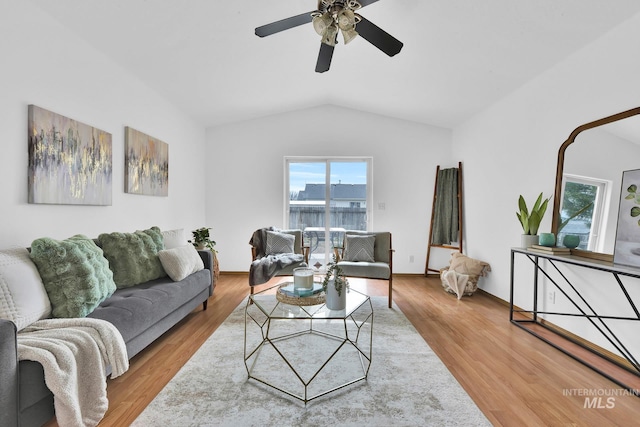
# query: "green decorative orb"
[[571, 241]]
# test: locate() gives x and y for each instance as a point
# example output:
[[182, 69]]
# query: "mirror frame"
[[555, 221]]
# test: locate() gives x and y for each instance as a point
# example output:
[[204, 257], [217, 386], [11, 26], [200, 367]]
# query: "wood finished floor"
[[514, 378]]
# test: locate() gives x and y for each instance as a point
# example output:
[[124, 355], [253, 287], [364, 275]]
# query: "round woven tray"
[[316, 299]]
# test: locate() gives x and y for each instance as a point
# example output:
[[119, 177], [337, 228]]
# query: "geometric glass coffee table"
[[307, 351]]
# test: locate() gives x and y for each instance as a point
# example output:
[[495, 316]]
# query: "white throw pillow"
[[175, 238], [359, 248], [180, 262], [23, 298], [279, 243]]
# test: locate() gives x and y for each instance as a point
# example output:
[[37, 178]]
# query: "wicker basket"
[[316, 299], [472, 283]]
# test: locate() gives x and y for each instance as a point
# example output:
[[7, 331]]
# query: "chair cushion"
[[279, 243], [372, 270], [135, 309], [359, 248]]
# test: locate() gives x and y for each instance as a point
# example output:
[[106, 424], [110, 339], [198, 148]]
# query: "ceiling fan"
[[331, 17]]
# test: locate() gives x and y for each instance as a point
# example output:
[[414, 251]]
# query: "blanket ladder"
[[455, 246]]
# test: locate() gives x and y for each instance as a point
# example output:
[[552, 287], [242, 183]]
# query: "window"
[[325, 197], [582, 210]]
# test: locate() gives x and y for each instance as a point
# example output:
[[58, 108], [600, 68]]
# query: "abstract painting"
[[70, 163], [146, 164], [627, 247]]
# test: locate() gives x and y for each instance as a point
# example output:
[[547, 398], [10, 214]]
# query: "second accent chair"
[[367, 254], [275, 252]]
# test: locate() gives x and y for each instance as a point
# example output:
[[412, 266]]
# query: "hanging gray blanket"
[[263, 269], [445, 223]]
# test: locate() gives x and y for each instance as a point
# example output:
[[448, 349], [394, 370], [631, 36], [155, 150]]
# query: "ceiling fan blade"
[[324, 58], [364, 3], [284, 24], [378, 37]]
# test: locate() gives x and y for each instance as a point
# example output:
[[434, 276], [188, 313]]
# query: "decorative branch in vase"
[[335, 289]]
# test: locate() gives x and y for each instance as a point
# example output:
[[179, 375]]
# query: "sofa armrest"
[[207, 259], [9, 386]]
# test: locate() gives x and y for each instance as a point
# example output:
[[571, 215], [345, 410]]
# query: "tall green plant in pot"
[[335, 289], [530, 220]]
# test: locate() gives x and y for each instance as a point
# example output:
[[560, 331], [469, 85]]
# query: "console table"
[[624, 370]]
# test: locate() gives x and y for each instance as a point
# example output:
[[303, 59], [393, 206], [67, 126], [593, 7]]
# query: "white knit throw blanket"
[[74, 354]]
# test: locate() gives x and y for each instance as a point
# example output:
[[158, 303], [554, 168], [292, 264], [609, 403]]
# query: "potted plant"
[[335, 289], [530, 220], [202, 240]]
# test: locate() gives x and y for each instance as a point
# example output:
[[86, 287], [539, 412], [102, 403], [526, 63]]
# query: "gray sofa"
[[142, 313]]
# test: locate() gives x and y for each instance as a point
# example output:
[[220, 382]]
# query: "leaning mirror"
[[588, 181]]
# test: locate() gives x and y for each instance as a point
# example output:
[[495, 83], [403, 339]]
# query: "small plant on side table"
[[202, 239]]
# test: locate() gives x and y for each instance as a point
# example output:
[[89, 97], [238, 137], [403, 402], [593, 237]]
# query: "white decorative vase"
[[528, 240], [333, 300]]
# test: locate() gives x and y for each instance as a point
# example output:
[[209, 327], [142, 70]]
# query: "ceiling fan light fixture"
[[330, 36], [322, 22], [346, 19], [349, 35], [353, 4]]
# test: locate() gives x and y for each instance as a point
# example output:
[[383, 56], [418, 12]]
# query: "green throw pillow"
[[75, 274], [133, 257]]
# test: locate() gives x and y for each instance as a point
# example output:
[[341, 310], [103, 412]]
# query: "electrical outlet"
[[552, 297], [382, 206], [411, 258]]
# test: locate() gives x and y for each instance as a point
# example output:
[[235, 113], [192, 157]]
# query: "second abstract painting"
[[146, 164]]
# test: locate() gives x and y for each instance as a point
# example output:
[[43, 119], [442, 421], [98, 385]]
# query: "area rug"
[[407, 385]]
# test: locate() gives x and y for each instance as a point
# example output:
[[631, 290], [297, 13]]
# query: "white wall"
[[511, 148], [245, 188], [43, 63]]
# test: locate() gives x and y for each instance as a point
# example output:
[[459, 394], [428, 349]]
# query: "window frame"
[[600, 207], [328, 160]]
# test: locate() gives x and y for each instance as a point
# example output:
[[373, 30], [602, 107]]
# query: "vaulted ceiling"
[[459, 56]]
